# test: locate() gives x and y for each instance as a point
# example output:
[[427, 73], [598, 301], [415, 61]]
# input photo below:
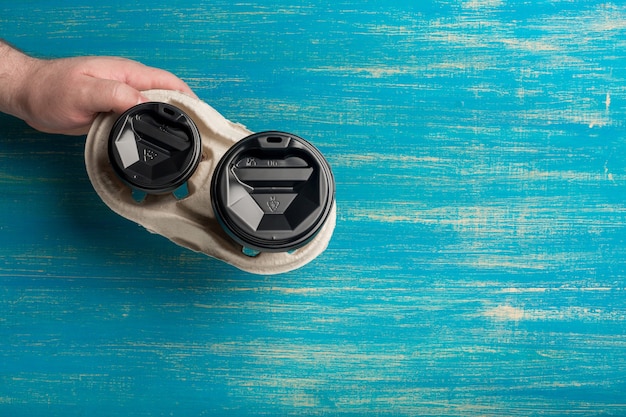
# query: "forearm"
[[14, 69]]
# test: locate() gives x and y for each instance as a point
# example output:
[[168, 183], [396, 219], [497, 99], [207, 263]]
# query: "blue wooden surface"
[[478, 266]]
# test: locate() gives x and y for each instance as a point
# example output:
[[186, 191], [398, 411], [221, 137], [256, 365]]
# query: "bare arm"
[[65, 95]]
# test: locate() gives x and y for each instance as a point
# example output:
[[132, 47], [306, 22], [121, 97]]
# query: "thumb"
[[111, 95]]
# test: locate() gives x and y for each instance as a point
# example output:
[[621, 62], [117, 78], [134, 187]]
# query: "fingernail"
[[142, 99]]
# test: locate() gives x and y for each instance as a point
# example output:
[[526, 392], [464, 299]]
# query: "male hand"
[[65, 95]]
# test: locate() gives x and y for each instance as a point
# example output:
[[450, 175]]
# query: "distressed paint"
[[478, 265]]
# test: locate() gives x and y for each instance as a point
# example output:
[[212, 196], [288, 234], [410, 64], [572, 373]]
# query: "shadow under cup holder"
[[155, 148], [272, 192]]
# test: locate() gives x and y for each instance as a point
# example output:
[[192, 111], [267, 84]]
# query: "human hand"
[[65, 95]]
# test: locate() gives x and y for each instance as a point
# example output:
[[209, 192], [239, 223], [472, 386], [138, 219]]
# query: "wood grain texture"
[[478, 265]]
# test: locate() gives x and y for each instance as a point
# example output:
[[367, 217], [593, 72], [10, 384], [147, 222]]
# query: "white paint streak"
[[505, 313]]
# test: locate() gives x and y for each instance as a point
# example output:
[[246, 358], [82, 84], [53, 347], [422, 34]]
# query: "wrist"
[[15, 68]]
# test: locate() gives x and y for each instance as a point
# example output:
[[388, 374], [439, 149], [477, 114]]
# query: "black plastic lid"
[[272, 191], [154, 147]]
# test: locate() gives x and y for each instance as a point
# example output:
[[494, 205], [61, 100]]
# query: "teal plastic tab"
[[250, 252], [138, 195], [181, 192]]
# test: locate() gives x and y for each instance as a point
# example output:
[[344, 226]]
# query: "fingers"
[[121, 87], [103, 96], [135, 74], [155, 78]]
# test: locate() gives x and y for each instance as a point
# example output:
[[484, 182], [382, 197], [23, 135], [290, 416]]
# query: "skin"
[[65, 95]]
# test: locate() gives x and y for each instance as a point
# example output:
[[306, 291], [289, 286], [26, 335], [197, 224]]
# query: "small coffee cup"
[[155, 148]]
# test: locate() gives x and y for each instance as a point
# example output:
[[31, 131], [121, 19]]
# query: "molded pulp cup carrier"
[[270, 192]]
